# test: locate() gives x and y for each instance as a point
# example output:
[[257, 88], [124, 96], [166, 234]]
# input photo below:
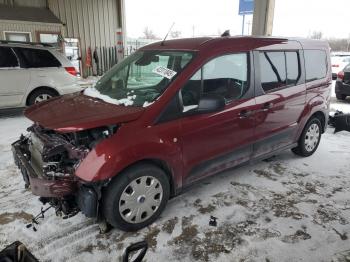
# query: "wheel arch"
[[162, 165], [40, 88], [321, 116]]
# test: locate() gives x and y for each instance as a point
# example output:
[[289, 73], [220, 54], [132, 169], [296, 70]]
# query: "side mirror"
[[210, 103]]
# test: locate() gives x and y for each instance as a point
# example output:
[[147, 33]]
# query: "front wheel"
[[310, 138], [136, 197]]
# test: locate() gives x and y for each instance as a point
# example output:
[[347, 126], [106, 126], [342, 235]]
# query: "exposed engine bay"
[[48, 160]]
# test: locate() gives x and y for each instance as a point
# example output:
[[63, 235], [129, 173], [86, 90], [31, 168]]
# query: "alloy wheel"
[[41, 98]]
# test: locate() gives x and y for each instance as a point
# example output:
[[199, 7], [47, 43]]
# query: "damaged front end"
[[48, 160]]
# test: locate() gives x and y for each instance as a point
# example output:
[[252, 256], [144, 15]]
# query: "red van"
[[169, 115]]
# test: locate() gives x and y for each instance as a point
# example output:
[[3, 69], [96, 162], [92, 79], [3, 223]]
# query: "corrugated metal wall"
[[95, 23], [32, 3], [33, 28]]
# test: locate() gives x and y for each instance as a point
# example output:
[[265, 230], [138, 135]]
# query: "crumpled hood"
[[75, 112]]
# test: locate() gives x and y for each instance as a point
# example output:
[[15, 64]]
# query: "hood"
[[75, 112]]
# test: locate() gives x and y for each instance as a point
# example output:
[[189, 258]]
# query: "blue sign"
[[246, 7]]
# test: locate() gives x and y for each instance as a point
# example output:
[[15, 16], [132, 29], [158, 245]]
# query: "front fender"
[[114, 154]]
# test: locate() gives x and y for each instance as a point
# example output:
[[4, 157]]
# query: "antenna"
[[162, 43]]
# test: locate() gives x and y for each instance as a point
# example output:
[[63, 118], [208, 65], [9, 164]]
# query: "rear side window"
[[315, 64], [36, 58], [293, 68], [273, 70], [279, 69], [7, 58]]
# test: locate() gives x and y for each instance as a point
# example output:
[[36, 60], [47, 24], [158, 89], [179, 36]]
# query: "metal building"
[[90, 32]]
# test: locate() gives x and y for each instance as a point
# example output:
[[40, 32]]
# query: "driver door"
[[212, 142]]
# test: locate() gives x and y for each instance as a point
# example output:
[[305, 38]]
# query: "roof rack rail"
[[25, 43]]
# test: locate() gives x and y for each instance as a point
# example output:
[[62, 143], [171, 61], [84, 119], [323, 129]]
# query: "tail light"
[[341, 75], [335, 65], [71, 70]]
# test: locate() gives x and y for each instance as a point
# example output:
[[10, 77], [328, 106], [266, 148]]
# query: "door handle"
[[267, 106], [244, 114]]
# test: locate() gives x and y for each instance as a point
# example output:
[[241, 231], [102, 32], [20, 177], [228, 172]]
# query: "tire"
[[126, 211], [308, 142], [340, 96], [41, 95]]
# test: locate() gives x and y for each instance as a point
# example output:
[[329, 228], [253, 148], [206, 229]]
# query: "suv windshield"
[[141, 78]]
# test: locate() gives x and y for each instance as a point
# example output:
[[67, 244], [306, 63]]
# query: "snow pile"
[[93, 92], [146, 104], [128, 101]]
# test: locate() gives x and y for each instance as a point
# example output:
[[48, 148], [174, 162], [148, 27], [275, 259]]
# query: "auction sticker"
[[165, 72]]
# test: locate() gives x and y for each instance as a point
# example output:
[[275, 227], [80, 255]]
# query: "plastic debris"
[[212, 221]]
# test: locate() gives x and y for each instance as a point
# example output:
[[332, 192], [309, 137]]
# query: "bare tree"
[[148, 33], [338, 44], [316, 35], [175, 34]]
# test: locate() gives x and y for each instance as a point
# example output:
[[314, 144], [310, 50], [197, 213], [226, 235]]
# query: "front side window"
[[226, 76], [315, 64], [7, 58], [141, 78]]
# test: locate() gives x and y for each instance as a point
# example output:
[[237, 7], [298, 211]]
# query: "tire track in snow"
[[65, 236], [16, 201], [69, 245]]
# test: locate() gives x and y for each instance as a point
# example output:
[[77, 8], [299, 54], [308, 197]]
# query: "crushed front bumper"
[[67, 194], [41, 185]]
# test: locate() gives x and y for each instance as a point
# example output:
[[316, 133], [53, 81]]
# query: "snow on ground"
[[286, 209]]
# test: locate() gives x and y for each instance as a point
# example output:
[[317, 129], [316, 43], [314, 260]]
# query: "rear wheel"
[[41, 95], [310, 138], [340, 96], [136, 197]]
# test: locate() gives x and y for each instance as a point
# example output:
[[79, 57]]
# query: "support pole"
[[263, 17], [243, 24]]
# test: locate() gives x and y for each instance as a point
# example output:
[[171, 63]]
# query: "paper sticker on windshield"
[[165, 72]]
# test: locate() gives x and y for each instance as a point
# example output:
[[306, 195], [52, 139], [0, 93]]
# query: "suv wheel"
[[340, 96], [136, 197], [309, 139], [41, 95]]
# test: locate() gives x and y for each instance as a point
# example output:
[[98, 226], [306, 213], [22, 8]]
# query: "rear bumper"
[[40, 185], [342, 88]]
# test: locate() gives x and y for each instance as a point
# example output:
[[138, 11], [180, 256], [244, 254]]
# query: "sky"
[[202, 17]]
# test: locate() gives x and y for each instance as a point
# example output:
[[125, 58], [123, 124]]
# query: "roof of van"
[[248, 42], [28, 45]]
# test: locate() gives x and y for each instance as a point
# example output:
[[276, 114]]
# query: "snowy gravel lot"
[[285, 209]]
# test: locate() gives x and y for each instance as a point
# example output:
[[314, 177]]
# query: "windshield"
[[141, 78]]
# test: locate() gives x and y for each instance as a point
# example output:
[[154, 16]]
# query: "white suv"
[[31, 73]]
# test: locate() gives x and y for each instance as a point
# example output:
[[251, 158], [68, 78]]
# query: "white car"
[[339, 61], [31, 73]]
